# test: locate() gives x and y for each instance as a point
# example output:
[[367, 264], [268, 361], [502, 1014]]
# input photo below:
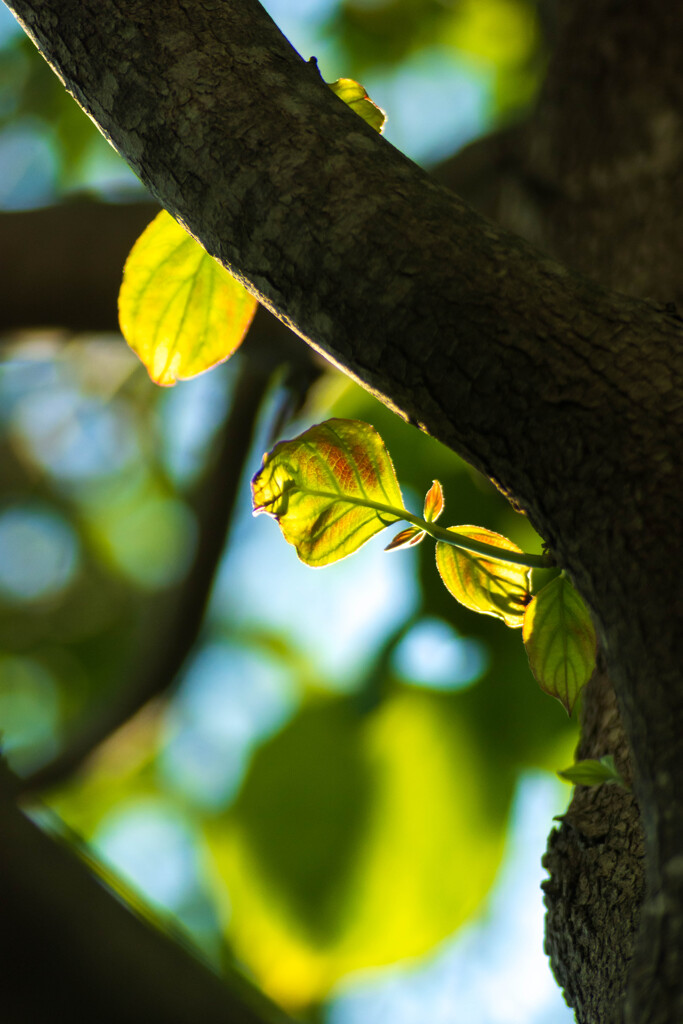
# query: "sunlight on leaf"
[[406, 539], [355, 96], [179, 310], [481, 584], [434, 502], [314, 486], [560, 641]]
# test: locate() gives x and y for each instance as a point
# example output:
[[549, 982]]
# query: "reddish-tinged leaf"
[[560, 641], [434, 502], [406, 539], [481, 583], [331, 489]]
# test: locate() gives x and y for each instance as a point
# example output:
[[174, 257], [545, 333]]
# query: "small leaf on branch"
[[324, 487], [355, 96], [560, 641], [594, 773], [434, 502], [481, 583], [406, 539], [180, 311]]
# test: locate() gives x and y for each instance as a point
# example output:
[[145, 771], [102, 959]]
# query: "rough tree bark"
[[565, 393]]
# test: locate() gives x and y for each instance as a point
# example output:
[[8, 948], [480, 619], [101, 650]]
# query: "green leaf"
[[331, 489], [355, 96], [560, 642], [483, 584], [434, 502], [179, 310], [594, 773]]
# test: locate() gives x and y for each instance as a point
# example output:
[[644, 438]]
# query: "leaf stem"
[[439, 533], [458, 540]]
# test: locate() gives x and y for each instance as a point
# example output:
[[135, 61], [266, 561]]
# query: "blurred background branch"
[[76, 949], [175, 626]]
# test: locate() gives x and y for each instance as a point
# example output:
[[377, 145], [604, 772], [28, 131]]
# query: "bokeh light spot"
[[432, 654], [29, 713], [231, 699], [39, 553], [152, 542], [28, 167], [152, 847], [74, 437]]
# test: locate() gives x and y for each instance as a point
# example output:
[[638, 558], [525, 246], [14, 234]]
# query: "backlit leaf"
[[406, 539], [434, 502], [317, 488], [559, 638], [355, 96], [483, 584], [593, 773], [179, 310]]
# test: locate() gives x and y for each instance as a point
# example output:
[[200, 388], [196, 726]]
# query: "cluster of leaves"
[[334, 487]]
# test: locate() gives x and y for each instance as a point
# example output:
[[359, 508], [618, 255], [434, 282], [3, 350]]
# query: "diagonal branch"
[[76, 951]]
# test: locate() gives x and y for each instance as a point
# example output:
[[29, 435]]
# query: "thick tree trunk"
[[596, 884], [567, 395]]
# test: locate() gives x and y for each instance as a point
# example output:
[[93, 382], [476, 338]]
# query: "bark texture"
[[596, 884], [568, 395]]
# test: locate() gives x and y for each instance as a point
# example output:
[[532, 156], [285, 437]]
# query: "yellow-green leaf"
[[180, 311], [355, 96], [481, 583], [331, 489], [434, 502], [560, 642]]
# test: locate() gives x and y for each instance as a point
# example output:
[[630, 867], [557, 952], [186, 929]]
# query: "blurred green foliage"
[[501, 37], [348, 845]]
